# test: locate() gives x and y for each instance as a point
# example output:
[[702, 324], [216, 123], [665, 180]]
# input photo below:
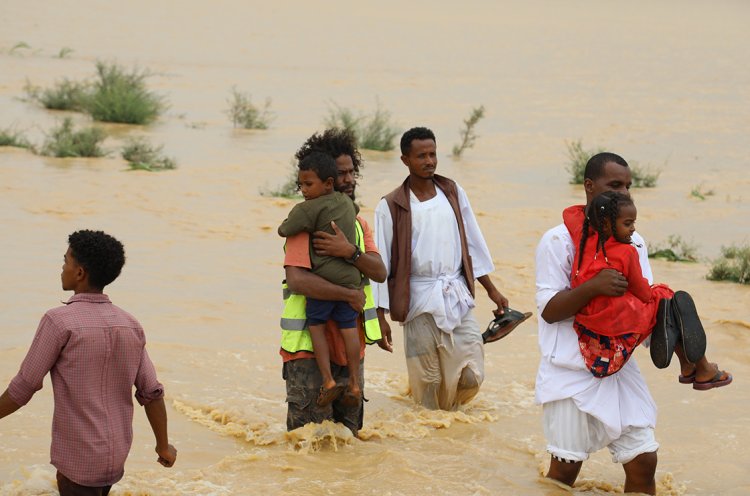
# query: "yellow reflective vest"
[[295, 335]]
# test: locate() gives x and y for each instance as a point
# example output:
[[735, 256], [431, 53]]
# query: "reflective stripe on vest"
[[295, 335]]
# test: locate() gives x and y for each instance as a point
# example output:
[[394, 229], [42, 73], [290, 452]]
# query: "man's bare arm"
[[310, 285], [568, 302], [336, 245], [495, 295]]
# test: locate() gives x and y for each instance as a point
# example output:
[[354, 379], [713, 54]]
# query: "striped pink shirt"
[[95, 353]]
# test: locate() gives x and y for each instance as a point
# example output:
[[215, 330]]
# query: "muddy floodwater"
[[665, 84]]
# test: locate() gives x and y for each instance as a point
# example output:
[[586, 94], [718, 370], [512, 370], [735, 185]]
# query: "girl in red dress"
[[610, 327]]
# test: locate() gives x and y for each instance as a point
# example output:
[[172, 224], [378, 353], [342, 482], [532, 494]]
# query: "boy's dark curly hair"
[[101, 255], [322, 164], [335, 142]]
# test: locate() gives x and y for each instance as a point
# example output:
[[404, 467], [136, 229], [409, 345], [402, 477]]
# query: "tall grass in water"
[[732, 265], [578, 157], [12, 137], [245, 114], [65, 141], [141, 155], [468, 136], [64, 95], [372, 131], [121, 96]]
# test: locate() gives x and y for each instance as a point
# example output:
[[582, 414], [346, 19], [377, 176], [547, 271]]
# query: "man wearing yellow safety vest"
[[300, 372]]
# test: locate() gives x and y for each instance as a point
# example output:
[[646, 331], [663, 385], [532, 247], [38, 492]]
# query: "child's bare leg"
[[322, 356], [703, 369], [351, 342]]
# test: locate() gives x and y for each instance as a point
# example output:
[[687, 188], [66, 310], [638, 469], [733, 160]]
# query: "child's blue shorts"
[[321, 311]]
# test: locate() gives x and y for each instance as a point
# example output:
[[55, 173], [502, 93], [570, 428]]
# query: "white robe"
[[619, 401], [436, 284]]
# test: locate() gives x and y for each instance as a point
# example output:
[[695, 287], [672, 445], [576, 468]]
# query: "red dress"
[[610, 327]]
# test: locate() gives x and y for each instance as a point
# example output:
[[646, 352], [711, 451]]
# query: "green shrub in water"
[[643, 177], [244, 114], [120, 96], [700, 192], [141, 155], [11, 137], [289, 189], [578, 157], [64, 95], [732, 265], [372, 132], [468, 136], [64, 141], [675, 249]]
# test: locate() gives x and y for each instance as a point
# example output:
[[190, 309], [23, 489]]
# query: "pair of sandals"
[[503, 324], [677, 321]]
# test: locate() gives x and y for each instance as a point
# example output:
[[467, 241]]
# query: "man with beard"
[[300, 371]]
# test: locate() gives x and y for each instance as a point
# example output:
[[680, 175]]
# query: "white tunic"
[[436, 284], [618, 401]]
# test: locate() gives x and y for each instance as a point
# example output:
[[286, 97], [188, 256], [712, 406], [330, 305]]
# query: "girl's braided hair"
[[604, 207]]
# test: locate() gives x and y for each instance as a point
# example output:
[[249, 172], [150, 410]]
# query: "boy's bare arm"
[[7, 405], [156, 412]]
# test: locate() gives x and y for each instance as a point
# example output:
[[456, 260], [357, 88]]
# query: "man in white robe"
[[582, 413], [442, 340]]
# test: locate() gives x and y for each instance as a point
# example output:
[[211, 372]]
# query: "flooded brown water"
[[666, 86]]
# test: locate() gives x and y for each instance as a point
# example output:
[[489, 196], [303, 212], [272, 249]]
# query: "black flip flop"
[[689, 325], [664, 336], [502, 325]]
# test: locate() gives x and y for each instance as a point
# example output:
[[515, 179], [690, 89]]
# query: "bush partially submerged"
[[64, 95], [643, 177], [64, 141], [700, 192], [289, 189], [468, 136], [578, 157], [141, 155], [675, 249], [732, 265], [12, 137], [372, 132], [116, 95], [245, 114], [121, 96]]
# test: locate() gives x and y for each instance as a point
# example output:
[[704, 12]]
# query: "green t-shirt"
[[316, 215]]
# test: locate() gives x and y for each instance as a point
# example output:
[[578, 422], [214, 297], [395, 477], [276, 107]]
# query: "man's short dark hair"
[[595, 166], [335, 142], [101, 256], [322, 164], [415, 133]]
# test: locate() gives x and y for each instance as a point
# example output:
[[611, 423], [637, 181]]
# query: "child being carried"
[[610, 327], [323, 205]]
